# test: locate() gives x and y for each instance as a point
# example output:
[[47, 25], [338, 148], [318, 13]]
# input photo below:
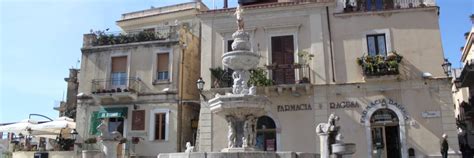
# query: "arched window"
[[266, 134], [384, 116]]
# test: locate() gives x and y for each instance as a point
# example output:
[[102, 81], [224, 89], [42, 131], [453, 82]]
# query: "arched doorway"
[[266, 134], [385, 130]]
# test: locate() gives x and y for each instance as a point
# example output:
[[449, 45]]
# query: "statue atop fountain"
[[243, 106]]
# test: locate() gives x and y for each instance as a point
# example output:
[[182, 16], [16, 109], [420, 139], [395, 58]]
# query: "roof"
[[163, 10], [268, 5]]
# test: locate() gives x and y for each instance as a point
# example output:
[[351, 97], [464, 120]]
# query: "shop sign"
[[383, 103], [344, 105], [294, 107], [431, 114]]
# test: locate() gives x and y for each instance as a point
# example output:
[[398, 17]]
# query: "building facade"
[[463, 92], [362, 60], [141, 81]]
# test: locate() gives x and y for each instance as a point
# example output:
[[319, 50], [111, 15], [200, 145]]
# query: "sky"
[[41, 39]]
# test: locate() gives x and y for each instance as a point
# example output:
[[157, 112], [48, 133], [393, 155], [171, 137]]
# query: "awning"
[[113, 112], [62, 125]]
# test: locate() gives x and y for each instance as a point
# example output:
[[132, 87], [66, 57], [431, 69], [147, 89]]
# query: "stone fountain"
[[109, 140], [242, 107], [331, 139]]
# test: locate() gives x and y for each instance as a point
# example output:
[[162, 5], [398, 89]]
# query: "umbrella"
[[20, 127], [62, 125]]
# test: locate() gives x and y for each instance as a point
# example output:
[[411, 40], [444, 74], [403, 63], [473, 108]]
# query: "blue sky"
[[41, 39]]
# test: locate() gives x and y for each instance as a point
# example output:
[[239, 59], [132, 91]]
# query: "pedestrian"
[[444, 146]]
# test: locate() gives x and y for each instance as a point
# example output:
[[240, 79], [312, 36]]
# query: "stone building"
[[68, 108], [141, 81], [362, 60], [463, 91]]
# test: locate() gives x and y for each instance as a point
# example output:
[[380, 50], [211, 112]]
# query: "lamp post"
[[200, 84], [446, 67], [74, 134]]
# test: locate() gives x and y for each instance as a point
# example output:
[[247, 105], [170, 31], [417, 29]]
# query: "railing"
[[467, 74], [100, 38], [380, 65], [380, 5], [120, 85], [303, 70]]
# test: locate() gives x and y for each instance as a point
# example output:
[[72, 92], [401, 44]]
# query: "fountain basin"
[[238, 105], [343, 149], [240, 60]]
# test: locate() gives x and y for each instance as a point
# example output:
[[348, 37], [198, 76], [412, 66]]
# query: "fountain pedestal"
[[110, 148]]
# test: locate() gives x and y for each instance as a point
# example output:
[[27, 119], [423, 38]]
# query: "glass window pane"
[[163, 126], [371, 45], [381, 45]]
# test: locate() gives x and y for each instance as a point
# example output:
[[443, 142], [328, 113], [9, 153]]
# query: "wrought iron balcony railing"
[[119, 85], [381, 5]]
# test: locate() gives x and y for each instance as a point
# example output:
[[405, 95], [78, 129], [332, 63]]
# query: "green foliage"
[[306, 56], [258, 77], [221, 77], [379, 65], [111, 39]]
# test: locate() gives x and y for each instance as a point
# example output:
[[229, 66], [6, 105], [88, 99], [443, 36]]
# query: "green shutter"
[[95, 121]]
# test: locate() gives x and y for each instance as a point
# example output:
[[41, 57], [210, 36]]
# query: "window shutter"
[[163, 59], [283, 57], [95, 121], [119, 64]]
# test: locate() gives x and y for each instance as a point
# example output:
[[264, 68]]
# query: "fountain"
[[331, 140], [109, 140], [242, 107]]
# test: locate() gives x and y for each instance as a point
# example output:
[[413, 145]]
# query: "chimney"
[[89, 40], [226, 5]]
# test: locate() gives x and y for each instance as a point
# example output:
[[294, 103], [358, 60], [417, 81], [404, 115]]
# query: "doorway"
[[266, 134], [385, 134], [283, 58]]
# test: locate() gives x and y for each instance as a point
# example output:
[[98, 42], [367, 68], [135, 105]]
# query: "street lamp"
[[74, 134], [200, 84], [446, 67]]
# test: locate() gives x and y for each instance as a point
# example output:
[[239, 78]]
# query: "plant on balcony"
[[380, 65], [258, 77], [111, 39], [221, 77]]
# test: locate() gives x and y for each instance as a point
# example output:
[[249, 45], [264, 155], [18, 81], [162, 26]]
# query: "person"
[[444, 146]]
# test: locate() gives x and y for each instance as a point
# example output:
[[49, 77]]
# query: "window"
[[229, 46], [119, 71], [376, 45], [151, 30], [162, 66], [160, 126]]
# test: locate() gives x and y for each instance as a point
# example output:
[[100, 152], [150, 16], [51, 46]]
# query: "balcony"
[[103, 38], [383, 5], [380, 65], [223, 78], [466, 79], [117, 89]]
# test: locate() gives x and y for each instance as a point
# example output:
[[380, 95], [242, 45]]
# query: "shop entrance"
[[385, 134], [266, 134]]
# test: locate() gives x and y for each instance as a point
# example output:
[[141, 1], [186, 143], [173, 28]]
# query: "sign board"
[[138, 120], [294, 107], [270, 144], [344, 105], [431, 114]]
